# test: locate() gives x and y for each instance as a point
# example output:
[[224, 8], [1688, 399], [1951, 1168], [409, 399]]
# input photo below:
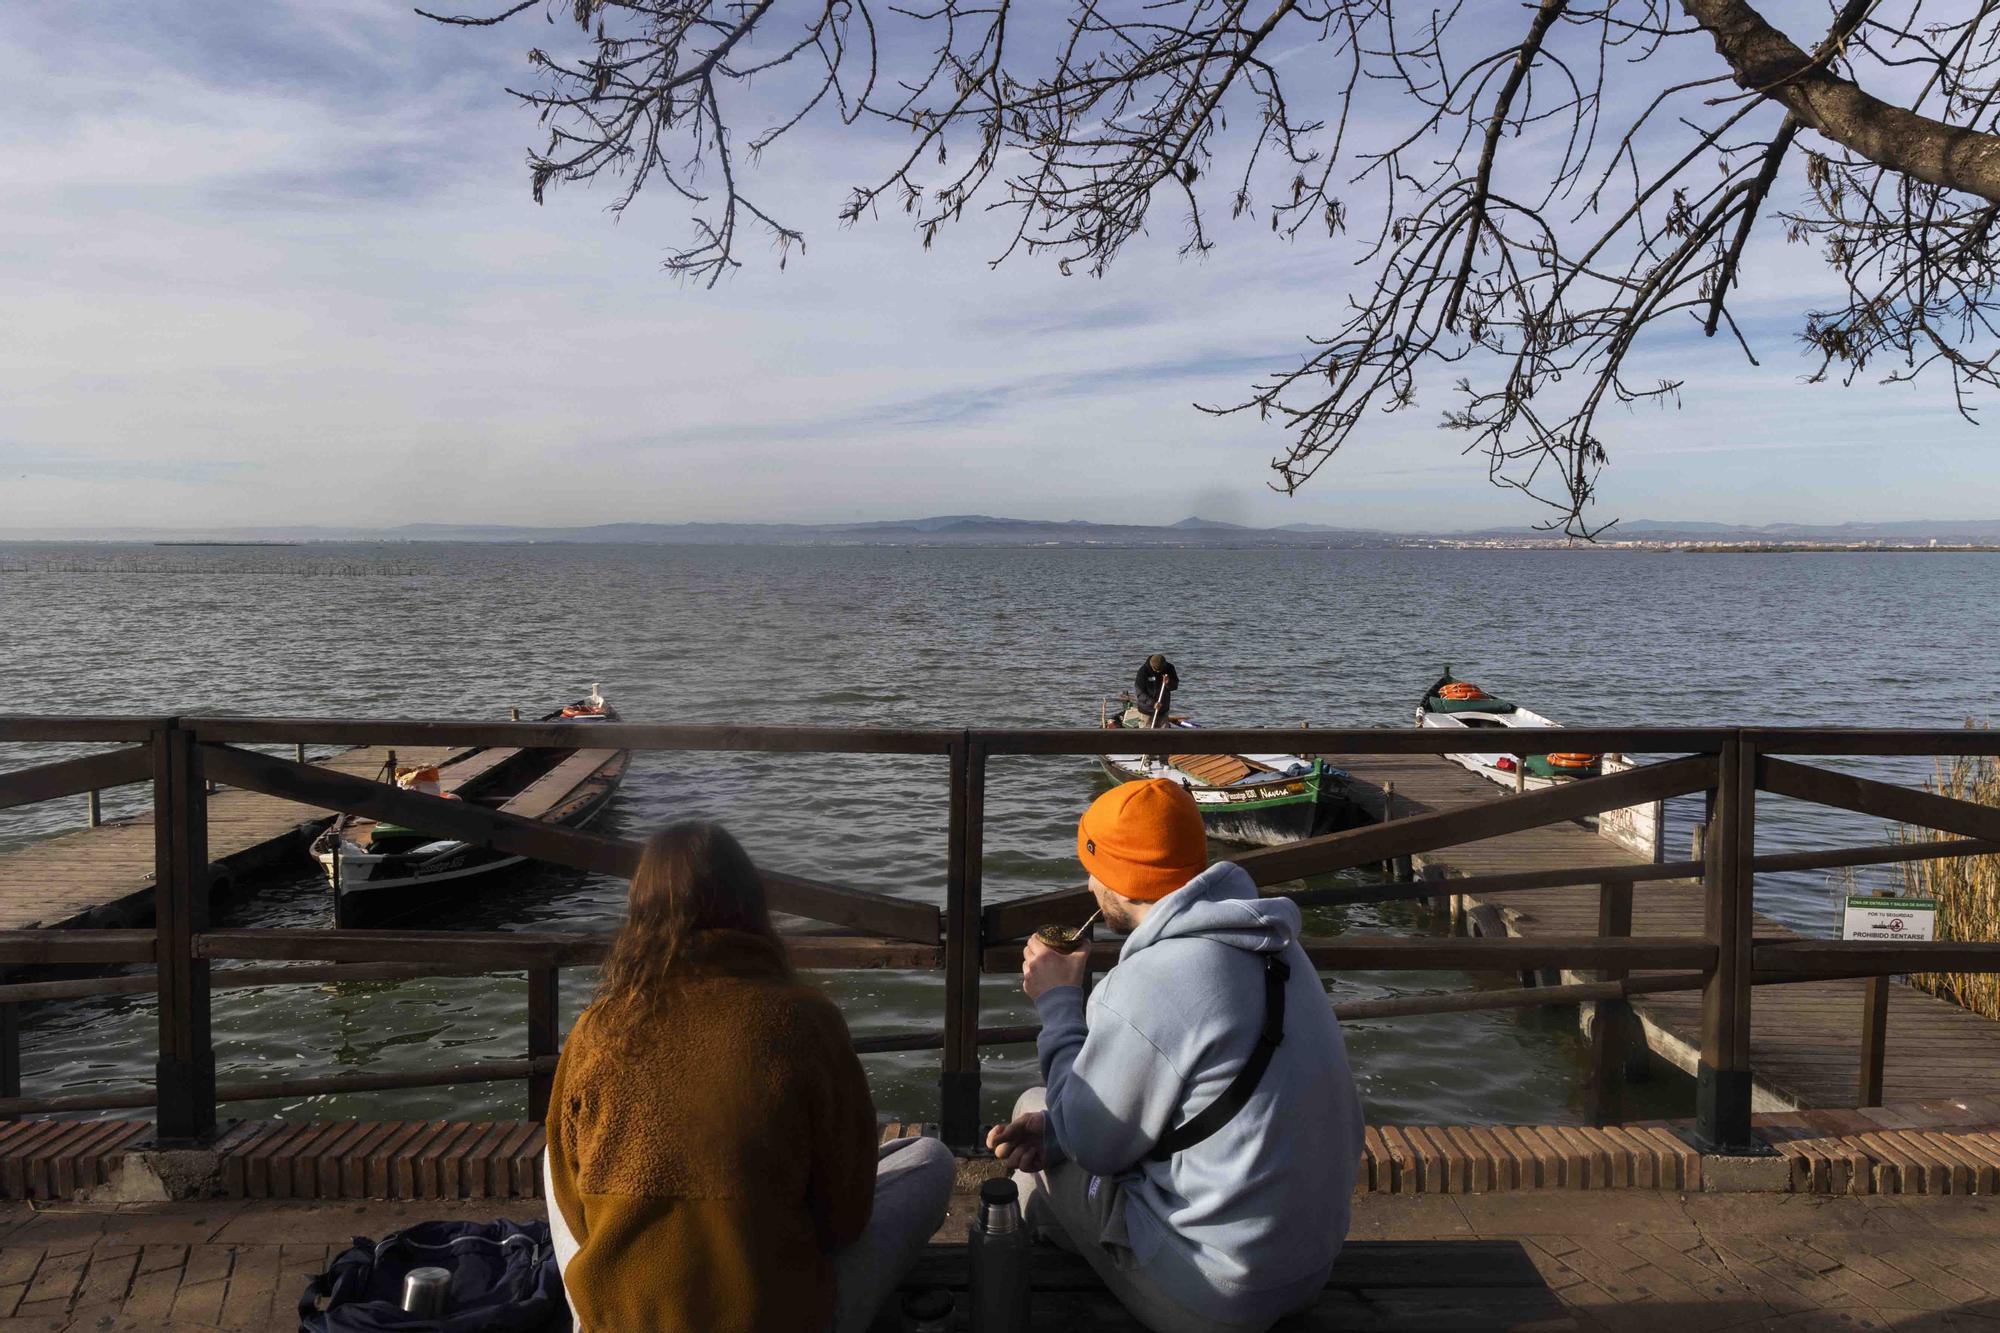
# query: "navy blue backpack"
[[503, 1280]]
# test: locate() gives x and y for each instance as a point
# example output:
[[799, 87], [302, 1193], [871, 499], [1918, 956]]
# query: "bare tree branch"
[[1764, 60], [1534, 186]]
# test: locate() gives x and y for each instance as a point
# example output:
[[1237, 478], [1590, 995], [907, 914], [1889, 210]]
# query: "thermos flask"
[[998, 1245], [425, 1290]]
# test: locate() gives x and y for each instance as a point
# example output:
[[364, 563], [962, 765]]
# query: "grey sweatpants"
[[913, 1180], [1078, 1211]]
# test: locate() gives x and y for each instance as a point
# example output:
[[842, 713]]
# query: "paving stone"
[[18, 1263], [50, 1314], [151, 1298], [1563, 1211], [152, 1258], [57, 1278], [207, 1263], [1695, 1266], [1621, 1261], [109, 1276], [254, 1289], [1407, 1215], [200, 1302]]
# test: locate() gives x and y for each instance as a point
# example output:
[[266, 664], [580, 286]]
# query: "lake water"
[[943, 637]]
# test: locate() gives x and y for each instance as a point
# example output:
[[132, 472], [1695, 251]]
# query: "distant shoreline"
[[1753, 549], [986, 530], [917, 542]]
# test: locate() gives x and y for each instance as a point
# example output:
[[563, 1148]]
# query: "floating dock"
[[1805, 1037], [103, 876]]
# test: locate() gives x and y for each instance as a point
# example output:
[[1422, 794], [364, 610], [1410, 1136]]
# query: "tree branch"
[[1764, 60]]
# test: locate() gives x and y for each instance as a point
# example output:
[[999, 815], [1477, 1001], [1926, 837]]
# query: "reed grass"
[[1967, 888]]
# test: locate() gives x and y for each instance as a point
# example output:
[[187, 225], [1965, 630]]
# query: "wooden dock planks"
[[104, 876], [1805, 1038]]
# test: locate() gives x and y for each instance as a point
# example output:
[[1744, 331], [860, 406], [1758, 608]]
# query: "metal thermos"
[[425, 1290], [998, 1245]]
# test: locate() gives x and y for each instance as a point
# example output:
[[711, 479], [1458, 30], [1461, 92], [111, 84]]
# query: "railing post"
[[1610, 1019], [186, 1072], [10, 1051], [958, 1079], [94, 807], [1874, 1040], [1722, 1088], [544, 1027]]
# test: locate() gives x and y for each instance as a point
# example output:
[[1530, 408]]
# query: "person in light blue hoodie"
[[1202, 1161]]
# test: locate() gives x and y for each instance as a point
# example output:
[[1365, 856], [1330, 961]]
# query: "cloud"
[[270, 256]]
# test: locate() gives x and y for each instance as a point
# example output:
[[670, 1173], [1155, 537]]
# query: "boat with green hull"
[[1259, 799], [1454, 704]]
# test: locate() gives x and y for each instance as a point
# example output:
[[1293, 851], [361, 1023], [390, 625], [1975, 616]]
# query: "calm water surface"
[[940, 637]]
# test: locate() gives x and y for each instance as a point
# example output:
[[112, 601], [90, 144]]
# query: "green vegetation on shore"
[[1967, 888]]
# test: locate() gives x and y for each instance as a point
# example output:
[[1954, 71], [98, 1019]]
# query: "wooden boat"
[[379, 871], [1454, 703], [1262, 799]]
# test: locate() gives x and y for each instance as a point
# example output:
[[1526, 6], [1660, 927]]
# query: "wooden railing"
[[182, 756]]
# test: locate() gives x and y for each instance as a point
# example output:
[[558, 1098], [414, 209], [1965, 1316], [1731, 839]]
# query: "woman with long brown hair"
[[712, 1162]]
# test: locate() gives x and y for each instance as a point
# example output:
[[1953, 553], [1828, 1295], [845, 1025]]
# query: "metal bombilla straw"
[[1063, 939]]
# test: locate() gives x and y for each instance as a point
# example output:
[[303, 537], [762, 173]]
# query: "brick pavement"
[[1635, 1260]]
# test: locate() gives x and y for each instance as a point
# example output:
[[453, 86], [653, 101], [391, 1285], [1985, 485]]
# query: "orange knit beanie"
[[1143, 840]]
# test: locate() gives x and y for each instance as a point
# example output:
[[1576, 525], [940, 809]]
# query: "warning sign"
[[1890, 919]]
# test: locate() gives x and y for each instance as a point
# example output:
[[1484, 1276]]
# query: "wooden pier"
[[103, 875], [1633, 1237], [1515, 848], [1805, 1039]]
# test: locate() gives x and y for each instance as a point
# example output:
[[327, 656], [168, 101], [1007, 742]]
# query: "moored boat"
[[1262, 799], [379, 871], [1453, 703]]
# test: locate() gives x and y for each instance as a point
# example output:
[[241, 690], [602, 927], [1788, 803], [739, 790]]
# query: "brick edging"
[[501, 1159]]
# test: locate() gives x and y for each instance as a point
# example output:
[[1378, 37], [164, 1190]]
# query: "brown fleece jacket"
[[709, 1162]]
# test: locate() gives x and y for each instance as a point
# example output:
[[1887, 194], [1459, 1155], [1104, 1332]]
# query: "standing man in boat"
[[1198, 1136], [1153, 692]]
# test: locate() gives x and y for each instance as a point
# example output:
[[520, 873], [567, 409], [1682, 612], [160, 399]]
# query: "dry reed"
[[1967, 888]]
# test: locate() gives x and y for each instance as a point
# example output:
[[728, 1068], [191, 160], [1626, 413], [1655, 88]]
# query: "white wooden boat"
[[379, 871], [1454, 704]]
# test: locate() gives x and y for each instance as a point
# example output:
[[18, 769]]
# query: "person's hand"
[[1045, 968], [1022, 1143]]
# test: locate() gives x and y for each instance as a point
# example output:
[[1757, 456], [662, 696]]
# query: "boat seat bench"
[[1377, 1287], [455, 776], [548, 791], [1216, 770]]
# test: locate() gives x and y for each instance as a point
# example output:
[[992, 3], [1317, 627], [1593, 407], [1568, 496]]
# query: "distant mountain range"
[[987, 530]]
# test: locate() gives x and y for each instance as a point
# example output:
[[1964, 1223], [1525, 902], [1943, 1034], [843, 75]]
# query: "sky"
[[278, 264]]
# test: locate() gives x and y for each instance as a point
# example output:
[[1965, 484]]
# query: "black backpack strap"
[[1237, 1095]]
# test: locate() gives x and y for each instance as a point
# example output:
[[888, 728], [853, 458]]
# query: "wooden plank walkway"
[[104, 876], [1805, 1039]]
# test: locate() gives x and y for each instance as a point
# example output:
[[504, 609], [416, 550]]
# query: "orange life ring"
[[1573, 760], [1462, 690]]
